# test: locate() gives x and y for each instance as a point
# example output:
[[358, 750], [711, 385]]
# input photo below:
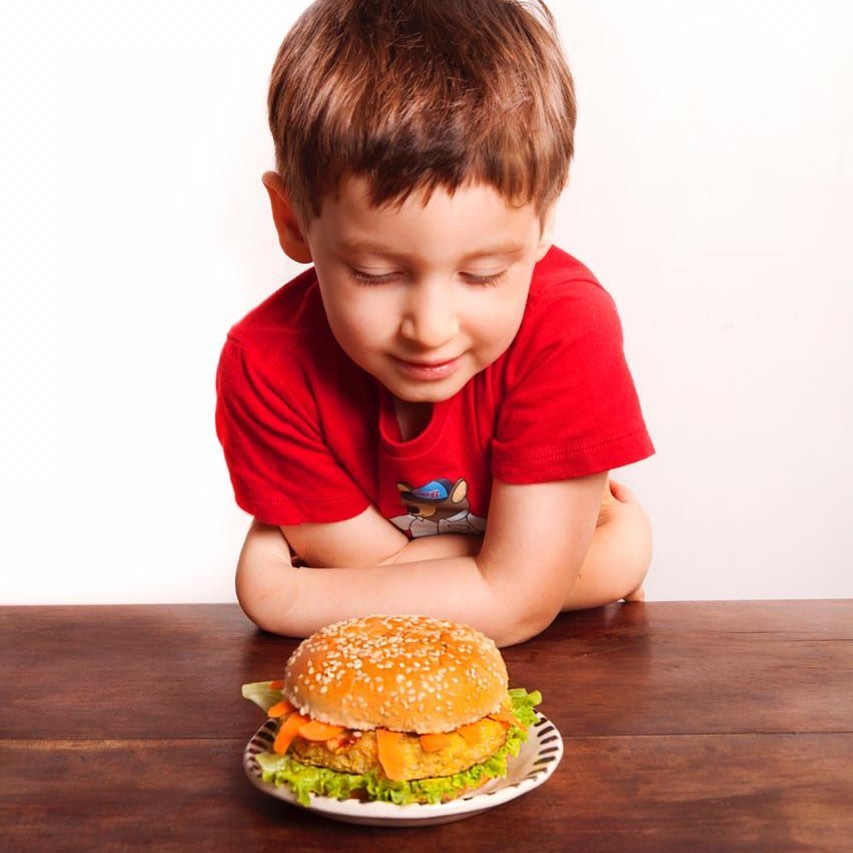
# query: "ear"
[[546, 233], [290, 235]]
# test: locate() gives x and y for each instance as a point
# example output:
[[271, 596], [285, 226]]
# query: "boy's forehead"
[[359, 224]]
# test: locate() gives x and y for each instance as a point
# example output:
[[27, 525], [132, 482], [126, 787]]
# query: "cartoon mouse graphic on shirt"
[[438, 506]]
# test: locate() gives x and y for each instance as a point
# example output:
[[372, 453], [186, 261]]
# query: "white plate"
[[539, 756]]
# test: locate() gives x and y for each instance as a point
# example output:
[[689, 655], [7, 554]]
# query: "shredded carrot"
[[280, 709], [287, 732], [504, 716], [342, 743], [315, 730], [435, 742], [392, 756], [472, 733]]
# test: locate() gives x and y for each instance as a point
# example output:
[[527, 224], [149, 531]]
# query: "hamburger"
[[402, 709]]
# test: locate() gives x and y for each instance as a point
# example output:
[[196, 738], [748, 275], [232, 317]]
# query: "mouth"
[[428, 370]]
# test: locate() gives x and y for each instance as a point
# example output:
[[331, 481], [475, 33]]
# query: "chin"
[[429, 392]]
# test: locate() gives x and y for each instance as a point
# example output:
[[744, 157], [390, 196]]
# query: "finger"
[[607, 496], [621, 492], [639, 594]]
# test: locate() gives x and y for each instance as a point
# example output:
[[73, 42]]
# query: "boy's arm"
[[535, 542], [369, 539]]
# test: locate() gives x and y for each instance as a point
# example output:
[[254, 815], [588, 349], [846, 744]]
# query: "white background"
[[712, 193]]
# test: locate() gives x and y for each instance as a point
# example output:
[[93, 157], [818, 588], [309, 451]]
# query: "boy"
[[428, 415]]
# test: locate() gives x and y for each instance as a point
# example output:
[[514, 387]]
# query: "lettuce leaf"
[[523, 704], [262, 693], [304, 779]]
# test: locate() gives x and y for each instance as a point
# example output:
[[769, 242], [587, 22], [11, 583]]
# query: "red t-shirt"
[[309, 436]]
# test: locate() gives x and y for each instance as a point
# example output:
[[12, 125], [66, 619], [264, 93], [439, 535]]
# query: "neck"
[[412, 417]]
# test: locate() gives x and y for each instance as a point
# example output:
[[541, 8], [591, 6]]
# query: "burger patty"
[[361, 755]]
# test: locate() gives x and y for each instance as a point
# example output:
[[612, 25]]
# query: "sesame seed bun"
[[404, 673]]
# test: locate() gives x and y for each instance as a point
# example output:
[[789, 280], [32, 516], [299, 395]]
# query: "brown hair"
[[415, 94]]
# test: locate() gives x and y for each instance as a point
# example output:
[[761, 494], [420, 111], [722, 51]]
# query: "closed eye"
[[493, 279], [372, 278], [363, 277]]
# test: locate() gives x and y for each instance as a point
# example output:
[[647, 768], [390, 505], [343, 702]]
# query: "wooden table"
[[687, 726]]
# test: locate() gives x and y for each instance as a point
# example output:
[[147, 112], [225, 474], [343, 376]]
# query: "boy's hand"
[[613, 500], [623, 495]]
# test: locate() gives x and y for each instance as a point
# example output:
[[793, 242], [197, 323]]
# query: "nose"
[[430, 317]]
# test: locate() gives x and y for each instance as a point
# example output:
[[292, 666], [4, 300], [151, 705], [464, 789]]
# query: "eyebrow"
[[496, 251], [370, 248]]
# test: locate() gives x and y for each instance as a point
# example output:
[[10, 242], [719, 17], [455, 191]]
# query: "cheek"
[[359, 320], [495, 323], [355, 314]]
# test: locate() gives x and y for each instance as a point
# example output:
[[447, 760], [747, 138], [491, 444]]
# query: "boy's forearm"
[[613, 568], [451, 587], [437, 547], [298, 601], [295, 602]]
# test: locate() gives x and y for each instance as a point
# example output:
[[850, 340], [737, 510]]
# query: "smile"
[[427, 370]]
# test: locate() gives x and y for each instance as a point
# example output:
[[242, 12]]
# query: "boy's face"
[[423, 297]]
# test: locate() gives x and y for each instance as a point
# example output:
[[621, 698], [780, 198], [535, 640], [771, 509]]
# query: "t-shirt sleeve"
[[570, 408], [266, 420]]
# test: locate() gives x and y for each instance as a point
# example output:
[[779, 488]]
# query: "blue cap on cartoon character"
[[433, 492]]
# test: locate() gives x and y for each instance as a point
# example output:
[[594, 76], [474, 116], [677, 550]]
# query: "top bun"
[[405, 673]]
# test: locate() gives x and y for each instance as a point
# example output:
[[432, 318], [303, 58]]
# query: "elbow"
[[520, 631], [263, 591], [253, 607], [513, 617], [521, 621], [265, 611], [251, 603]]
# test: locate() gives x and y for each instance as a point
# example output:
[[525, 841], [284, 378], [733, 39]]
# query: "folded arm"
[[521, 577]]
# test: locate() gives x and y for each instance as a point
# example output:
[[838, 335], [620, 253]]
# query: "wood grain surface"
[[687, 726]]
